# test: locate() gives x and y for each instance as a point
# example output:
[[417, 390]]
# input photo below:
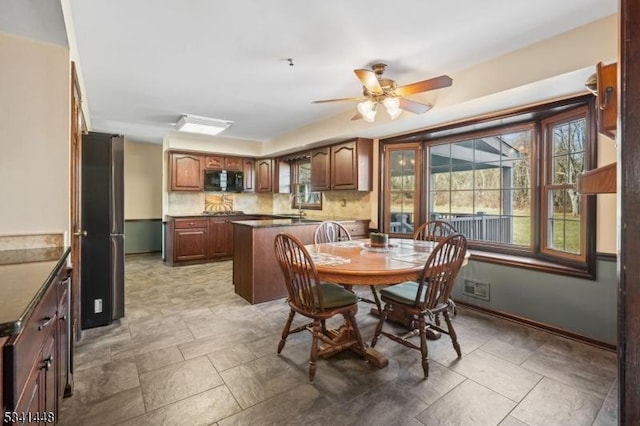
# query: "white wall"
[[142, 180], [34, 137]]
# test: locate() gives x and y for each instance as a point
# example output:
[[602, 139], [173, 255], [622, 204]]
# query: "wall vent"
[[476, 289]]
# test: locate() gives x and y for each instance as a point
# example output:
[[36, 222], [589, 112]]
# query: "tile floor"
[[192, 352]]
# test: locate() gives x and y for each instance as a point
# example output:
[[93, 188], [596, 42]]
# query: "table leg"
[[345, 334]]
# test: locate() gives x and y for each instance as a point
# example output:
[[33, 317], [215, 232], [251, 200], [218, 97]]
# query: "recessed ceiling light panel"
[[202, 125]]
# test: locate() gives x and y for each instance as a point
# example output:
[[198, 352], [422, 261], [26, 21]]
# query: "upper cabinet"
[[604, 85], [185, 172], [321, 169], [248, 165], [347, 165], [219, 162], [606, 89], [264, 175]]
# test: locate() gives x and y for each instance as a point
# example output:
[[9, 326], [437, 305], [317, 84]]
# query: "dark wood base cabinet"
[[199, 239], [36, 362]]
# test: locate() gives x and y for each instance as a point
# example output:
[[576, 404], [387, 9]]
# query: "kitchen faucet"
[[298, 197]]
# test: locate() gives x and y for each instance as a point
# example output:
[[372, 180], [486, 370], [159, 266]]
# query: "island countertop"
[[24, 276], [272, 223]]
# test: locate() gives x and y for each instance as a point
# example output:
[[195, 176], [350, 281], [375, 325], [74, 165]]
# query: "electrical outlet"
[[97, 306]]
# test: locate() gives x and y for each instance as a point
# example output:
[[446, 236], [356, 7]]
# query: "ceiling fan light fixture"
[[367, 110], [365, 107], [202, 125], [392, 104]]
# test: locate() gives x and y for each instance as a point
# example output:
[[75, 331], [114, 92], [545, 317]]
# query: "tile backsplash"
[[345, 204]]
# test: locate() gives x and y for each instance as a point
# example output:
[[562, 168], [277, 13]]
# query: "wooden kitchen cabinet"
[[200, 239], [321, 169], [65, 349], [264, 175], [607, 98], [351, 165], [603, 180], [187, 240], [220, 162], [344, 166], [248, 168], [36, 360], [220, 237], [186, 172], [357, 228]]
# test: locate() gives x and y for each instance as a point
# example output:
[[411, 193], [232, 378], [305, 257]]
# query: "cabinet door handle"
[[65, 281], [44, 322]]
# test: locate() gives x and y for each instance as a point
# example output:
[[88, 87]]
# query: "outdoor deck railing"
[[481, 227]]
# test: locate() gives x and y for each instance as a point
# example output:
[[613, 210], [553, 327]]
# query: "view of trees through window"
[[402, 190], [482, 185], [566, 145], [508, 184]]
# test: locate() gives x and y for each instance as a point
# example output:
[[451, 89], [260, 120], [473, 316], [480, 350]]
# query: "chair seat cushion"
[[335, 296], [404, 293]]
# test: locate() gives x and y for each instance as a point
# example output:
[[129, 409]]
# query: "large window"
[[507, 184], [563, 224], [482, 185]]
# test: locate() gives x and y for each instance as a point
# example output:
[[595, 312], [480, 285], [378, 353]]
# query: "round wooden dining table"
[[355, 262]]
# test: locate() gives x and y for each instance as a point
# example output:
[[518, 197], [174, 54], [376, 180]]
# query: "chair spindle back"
[[300, 274], [440, 271]]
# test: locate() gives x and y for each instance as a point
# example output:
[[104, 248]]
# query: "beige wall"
[[34, 137], [142, 180], [551, 69]]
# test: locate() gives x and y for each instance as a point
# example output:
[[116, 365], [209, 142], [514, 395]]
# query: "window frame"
[[547, 184], [533, 257]]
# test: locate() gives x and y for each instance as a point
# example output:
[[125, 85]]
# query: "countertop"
[[273, 223], [24, 275], [309, 217]]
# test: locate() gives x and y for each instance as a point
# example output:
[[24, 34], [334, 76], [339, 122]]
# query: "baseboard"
[[541, 326]]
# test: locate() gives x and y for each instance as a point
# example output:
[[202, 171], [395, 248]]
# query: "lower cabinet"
[[220, 237], [187, 240], [197, 240], [36, 361]]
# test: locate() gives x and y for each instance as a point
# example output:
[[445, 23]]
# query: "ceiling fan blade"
[[413, 106], [424, 85], [359, 98], [369, 80], [358, 116]]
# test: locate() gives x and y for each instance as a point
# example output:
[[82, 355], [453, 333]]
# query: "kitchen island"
[[256, 274]]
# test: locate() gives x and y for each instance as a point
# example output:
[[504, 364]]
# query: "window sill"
[[530, 263]]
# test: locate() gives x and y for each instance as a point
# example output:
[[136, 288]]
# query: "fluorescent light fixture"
[[204, 125]]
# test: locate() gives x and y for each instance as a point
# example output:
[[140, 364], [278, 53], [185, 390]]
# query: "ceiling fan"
[[378, 90]]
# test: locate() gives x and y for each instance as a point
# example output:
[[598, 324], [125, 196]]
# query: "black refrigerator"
[[102, 193]]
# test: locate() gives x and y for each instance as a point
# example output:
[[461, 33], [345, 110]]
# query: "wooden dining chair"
[[434, 230], [428, 297], [315, 300], [331, 232]]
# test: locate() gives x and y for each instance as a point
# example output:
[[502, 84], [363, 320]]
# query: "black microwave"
[[222, 180]]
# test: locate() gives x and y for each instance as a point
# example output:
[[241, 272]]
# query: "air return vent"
[[476, 289]]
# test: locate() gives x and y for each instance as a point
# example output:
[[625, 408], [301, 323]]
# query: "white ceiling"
[[146, 62]]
